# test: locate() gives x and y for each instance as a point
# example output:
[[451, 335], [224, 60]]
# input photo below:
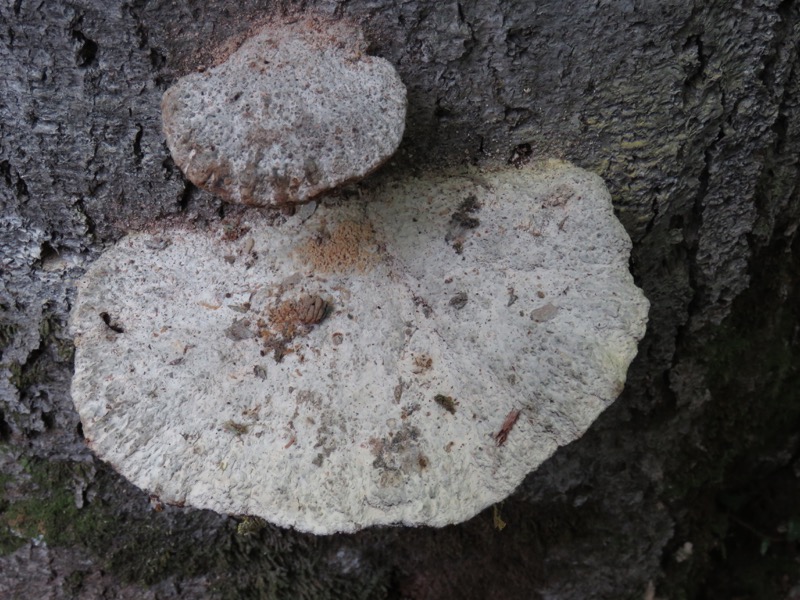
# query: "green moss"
[[9, 540], [138, 548], [52, 334], [74, 581], [250, 525], [144, 547], [48, 509], [7, 333], [634, 144], [65, 350]]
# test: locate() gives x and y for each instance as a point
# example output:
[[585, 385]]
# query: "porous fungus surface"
[[405, 358], [298, 109]]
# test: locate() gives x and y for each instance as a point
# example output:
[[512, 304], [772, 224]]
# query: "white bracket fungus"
[[297, 110], [408, 357]]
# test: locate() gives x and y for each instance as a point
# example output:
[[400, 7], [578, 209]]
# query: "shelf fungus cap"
[[404, 358], [298, 109]]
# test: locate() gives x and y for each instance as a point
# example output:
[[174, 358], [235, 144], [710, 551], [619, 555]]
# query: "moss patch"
[[143, 546], [44, 505]]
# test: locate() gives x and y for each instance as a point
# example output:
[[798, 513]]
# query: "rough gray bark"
[[689, 110]]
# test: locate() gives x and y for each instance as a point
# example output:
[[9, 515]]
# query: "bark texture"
[[691, 113]]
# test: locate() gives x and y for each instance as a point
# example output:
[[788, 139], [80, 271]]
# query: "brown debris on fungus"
[[446, 402], [348, 246], [511, 418], [290, 319]]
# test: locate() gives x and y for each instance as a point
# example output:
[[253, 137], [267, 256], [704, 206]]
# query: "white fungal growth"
[[298, 109], [405, 358]]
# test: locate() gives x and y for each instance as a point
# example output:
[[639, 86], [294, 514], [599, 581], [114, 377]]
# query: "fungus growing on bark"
[[384, 400], [298, 109]]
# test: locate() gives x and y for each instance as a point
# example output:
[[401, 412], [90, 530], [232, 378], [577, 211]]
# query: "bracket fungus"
[[404, 358], [298, 109]]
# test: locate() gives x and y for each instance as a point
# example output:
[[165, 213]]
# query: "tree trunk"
[[685, 488]]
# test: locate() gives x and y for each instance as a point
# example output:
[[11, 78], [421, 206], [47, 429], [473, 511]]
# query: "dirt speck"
[[446, 402], [461, 221], [463, 217], [422, 362], [459, 301]]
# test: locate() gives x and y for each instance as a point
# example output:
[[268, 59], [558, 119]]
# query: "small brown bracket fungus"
[[390, 403], [298, 109]]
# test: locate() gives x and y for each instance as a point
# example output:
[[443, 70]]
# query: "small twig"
[[511, 418]]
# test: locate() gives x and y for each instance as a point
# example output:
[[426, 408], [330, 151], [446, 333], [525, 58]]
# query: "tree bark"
[[690, 112]]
